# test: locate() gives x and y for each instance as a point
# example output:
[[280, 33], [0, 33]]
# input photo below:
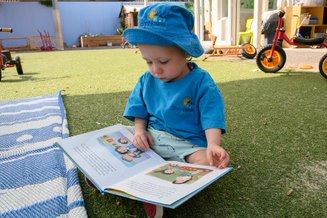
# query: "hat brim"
[[191, 45]]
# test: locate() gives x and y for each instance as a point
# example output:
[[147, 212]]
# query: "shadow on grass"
[[290, 72], [30, 77], [275, 126], [19, 78]]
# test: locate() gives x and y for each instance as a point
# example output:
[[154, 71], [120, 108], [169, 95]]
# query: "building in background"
[[226, 18], [221, 18]]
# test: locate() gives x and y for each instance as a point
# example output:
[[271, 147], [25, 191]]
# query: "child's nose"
[[156, 69]]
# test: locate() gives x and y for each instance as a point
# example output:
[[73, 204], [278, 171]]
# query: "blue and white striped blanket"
[[36, 178]]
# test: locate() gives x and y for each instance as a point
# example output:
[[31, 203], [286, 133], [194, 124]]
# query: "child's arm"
[[217, 155], [142, 138]]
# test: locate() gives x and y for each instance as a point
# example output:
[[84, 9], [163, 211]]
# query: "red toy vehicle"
[[6, 59], [273, 57]]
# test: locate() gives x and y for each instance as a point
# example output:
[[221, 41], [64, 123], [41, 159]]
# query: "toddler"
[[176, 106]]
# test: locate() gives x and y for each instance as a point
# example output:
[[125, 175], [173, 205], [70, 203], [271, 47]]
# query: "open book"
[[114, 165]]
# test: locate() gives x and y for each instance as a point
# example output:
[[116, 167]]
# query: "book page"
[[108, 156], [170, 182]]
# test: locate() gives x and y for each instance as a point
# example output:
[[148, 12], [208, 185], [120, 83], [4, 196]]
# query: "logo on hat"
[[154, 17], [152, 14]]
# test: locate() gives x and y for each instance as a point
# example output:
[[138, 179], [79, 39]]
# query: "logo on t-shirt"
[[188, 102], [186, 107]]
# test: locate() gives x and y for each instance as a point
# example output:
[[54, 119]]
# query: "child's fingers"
[[219, 159], [213, 158], [210, 159], [144, 142], [139, 143], [224, 161]]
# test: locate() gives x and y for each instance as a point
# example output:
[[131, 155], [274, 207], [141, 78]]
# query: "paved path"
[[296, 58]]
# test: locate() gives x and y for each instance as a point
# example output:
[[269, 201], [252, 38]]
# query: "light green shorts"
[[169, 146]]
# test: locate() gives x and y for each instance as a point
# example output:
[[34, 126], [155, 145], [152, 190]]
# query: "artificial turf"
[[277, 129]]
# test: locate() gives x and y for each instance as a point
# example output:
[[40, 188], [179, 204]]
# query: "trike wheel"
[[323, 66], [18, 66], [248, 51], [273, 64]]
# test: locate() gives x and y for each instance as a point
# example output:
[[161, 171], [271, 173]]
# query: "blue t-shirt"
[[184, 108]]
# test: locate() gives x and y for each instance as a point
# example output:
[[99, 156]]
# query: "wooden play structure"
[[128, 15], [246, 50], [24, 43]]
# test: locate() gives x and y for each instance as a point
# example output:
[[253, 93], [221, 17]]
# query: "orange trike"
[[272, 58]]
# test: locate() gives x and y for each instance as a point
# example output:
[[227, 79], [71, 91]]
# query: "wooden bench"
[[103, 40], [24, 43]]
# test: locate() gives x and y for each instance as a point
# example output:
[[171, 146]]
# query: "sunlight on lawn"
[[276, 128]]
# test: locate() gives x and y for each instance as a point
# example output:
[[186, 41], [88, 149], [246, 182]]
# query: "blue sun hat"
[[165, 24]]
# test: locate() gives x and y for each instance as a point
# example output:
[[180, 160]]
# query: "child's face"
[[169, 171], [127, 157], [165, 63], [182, 179], [122, 149]]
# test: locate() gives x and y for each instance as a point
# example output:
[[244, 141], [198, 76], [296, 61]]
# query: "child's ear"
[[188, 57]]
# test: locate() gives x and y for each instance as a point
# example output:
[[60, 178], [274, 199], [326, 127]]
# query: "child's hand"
[[143, 140], [217, 156]]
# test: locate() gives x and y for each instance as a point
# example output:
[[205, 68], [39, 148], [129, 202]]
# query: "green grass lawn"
[[277, 129]]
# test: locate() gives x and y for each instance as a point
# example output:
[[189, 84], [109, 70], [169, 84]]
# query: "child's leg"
[[173, 148], [198, 157]]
